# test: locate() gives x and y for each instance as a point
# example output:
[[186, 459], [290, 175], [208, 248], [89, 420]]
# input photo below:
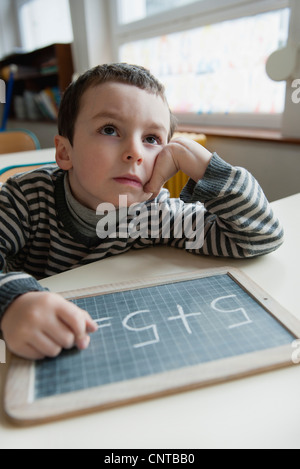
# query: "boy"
[[115, 130]]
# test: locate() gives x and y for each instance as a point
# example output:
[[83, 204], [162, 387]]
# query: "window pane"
[[218, 68], [133, 10], [42, 25]]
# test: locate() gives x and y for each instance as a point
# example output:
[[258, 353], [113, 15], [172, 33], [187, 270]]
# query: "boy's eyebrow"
[[106, 115]]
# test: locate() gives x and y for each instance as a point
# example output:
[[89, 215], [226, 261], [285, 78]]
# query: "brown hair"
[[116, 72]]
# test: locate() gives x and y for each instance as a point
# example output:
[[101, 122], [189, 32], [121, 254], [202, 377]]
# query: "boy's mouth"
[[129, 180]]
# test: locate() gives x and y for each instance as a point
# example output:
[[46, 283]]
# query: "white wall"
[[275, 165], [45, 131]]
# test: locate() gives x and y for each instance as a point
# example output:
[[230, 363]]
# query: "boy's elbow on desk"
[[269, 245]]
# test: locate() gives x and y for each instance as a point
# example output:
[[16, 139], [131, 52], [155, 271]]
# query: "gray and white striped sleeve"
[[14, 230], [239, 221]]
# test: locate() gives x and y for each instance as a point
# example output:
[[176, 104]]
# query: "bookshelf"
[[40, 78]]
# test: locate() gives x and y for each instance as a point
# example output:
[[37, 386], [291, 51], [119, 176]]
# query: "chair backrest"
[[12, 141], [6, 173]]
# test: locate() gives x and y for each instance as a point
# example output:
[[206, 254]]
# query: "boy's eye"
[[108, 130], [153, 140]]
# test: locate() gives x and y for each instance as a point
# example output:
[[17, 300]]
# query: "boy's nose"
[[133, 153]]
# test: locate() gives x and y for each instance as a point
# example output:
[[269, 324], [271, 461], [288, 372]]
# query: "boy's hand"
[[180, 154], [40, 324]]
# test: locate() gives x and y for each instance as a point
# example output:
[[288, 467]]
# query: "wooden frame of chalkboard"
[[22, 407]]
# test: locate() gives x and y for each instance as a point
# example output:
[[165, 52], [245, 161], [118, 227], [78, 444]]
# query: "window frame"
[[18, 4], [199, 14]]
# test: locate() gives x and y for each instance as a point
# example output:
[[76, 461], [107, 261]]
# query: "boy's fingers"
[[158, 178], [80, 323], [164, 168], [83, 341], [45, 345], [154, 185], [60, 333], [91, 325], [30, 353]]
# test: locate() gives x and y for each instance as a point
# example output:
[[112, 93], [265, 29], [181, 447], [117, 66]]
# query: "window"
[[41, 24], [211, 56], [196, 81], [133, 10]]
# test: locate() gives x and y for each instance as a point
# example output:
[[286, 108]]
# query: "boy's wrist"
[[215, 180], [199, 164], [14, 286]]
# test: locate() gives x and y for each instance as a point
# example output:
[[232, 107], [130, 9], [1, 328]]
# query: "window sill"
[[240, 133]]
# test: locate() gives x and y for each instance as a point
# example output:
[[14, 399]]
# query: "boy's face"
[[118, 134]]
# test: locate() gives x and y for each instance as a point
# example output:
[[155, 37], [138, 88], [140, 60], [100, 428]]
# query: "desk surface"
[[27, 157], [262, 411]]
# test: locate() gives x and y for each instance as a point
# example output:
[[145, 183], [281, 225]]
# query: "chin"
[[125, 200]]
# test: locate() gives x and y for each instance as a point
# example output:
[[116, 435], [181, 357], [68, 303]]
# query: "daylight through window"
[[217, 68]]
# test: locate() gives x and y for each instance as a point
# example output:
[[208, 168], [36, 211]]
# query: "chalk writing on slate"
[[151, 330]]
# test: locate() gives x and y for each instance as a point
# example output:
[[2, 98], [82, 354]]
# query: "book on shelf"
[[38, 105], [49, 67]]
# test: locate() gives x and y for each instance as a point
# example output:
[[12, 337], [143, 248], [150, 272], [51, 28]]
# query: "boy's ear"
[[63, 153]]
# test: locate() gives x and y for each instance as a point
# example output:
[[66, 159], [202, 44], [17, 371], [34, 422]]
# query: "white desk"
[[27, 157], [257, 412]]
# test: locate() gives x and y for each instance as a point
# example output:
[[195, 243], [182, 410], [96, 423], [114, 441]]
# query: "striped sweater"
[[38, 236]]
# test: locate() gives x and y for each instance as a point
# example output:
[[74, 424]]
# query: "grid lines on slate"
[[155, 329]]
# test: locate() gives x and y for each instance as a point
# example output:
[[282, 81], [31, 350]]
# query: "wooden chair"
[[6, 173], [12, 141]]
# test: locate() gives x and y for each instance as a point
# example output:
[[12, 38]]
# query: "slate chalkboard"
[[161, 336]]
